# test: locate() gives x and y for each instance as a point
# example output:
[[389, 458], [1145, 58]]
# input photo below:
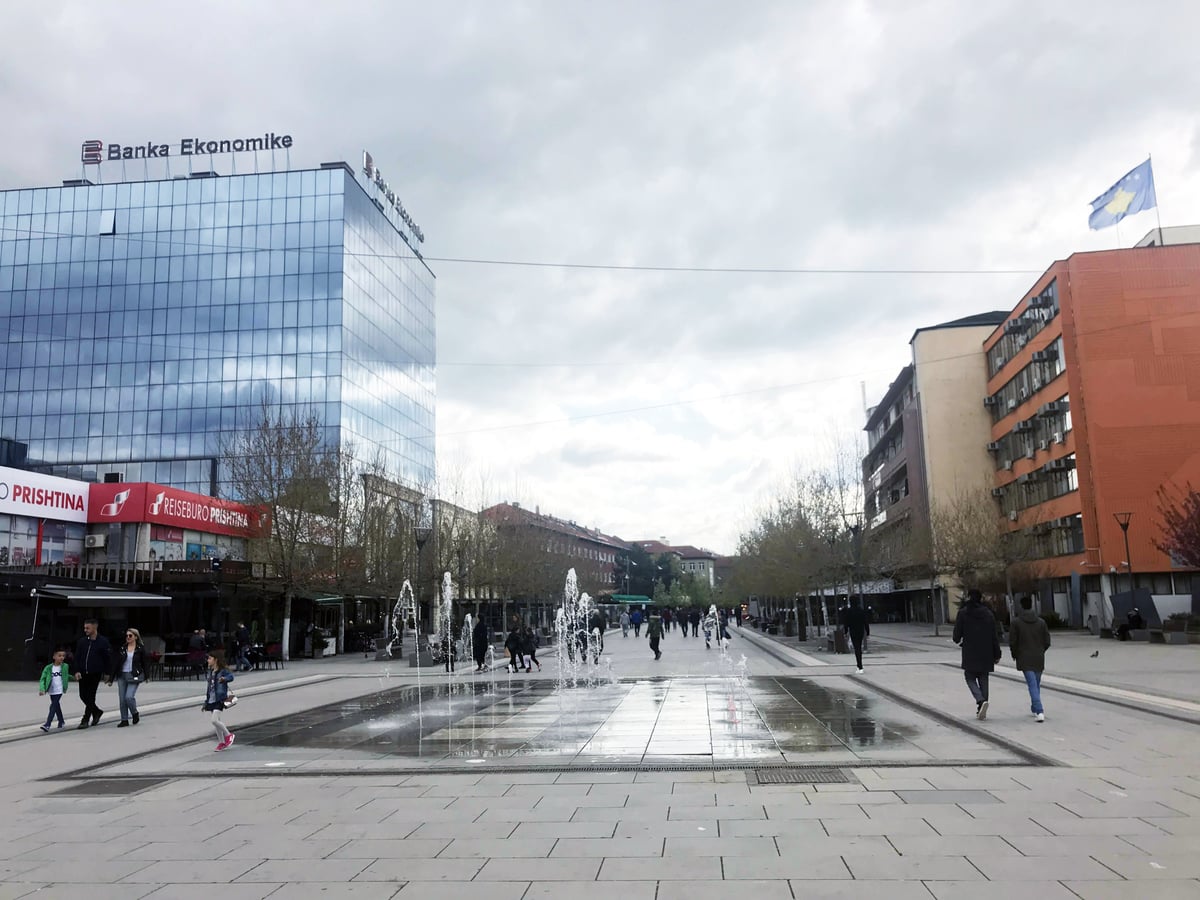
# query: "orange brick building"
[[1094, 389]]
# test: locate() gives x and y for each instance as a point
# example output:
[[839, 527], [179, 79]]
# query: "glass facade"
[[145, 322]]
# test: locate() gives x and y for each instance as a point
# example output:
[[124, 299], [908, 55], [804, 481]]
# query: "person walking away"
[[529, 644], [1029, 639], [513, 645], [129, 671], [92, 664], [654, 632], [54, 682], [625, 623], [215, 696], [667, 619], [975, 632], [694, 617], [856, 625], [479, 643], [241, 637], [636, 618]]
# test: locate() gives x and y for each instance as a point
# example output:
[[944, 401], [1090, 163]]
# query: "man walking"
[[654, 631], [636, 619], [1029, 639], [975, 632], [91, 665], [856, 624], [625, 623]]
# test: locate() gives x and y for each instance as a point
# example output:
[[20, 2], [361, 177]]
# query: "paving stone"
[[680, 868], [486, 848], [593, 890], [325, 890], [1043, 868], [771, 828], [826, 867], [1134, 890], [623, 847], [720, 846], [195, 891], [1146, 867], [997, 890], [946, 797], [859, 890], [421, 870], [916, 868], [537, 870], [463, 890], [720, 890], [1072, 845]]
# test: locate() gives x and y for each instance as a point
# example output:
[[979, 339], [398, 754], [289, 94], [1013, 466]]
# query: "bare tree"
[[1180, 526], [282, 465]]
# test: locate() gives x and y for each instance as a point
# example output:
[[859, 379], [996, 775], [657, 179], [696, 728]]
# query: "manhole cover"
[[109, 787], [799, 776]]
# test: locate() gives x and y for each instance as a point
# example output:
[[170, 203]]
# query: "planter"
[[1175, 637]]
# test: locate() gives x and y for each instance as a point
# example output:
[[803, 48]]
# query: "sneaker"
[[220, 746], [860, 671], [123, 724], [85, 723], [136, 718], [62, 725], [983, 709], [96, 717], [46, 728], [1041, 717], [229, 740]]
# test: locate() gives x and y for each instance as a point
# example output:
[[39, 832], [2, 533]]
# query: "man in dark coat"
[[654, 632], [479, 643], [975, 632], [91, 665], [855, 624], [1029, 639]]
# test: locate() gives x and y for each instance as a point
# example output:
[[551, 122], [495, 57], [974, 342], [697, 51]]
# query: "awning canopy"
[[631, 598], [102, 597]]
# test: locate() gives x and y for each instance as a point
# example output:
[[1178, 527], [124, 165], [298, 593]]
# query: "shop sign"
[[42, 496], [160, 505]]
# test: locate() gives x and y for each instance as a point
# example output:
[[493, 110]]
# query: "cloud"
[[931, 135]]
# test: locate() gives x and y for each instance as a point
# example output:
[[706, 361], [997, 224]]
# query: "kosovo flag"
[[1132, 194]]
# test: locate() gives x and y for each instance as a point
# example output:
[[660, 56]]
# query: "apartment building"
[[1093, 388]]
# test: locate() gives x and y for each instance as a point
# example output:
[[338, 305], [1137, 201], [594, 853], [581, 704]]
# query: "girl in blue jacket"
[[217, 696]]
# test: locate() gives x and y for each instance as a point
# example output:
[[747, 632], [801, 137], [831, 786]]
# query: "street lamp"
[[628, 564]]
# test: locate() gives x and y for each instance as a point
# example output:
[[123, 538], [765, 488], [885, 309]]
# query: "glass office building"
[[145, 322]]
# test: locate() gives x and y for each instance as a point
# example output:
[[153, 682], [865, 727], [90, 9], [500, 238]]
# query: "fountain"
[[398, 616]]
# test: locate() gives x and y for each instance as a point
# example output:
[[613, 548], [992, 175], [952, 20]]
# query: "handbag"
[[230, 702]]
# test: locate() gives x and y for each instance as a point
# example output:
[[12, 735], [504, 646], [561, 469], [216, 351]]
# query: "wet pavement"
[[670, 721]]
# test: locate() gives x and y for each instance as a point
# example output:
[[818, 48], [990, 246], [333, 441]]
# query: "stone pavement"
[[1114, 812]]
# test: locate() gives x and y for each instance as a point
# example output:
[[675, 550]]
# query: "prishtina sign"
[[94, 152]]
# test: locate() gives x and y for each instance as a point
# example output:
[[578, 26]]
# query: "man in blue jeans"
[[1029, 639]]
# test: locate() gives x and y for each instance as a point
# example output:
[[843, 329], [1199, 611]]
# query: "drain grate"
[[798, 776], [109, 787]]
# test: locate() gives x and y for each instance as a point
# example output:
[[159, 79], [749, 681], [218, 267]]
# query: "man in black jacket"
[[855, 623], [1029, 639], [975, 632], [92, 662]]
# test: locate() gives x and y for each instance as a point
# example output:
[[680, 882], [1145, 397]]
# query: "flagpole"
[[1157, 214]]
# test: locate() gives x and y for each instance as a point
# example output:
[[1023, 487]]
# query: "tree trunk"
[[287, 626]]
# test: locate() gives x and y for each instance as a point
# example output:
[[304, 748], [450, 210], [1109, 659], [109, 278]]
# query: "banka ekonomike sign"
[[96, 152], [376, 178]]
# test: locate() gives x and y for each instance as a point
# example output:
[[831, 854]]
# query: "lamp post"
[[628, 564], [1123, 520]]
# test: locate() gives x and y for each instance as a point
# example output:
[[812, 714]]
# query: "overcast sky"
[[819, 135]]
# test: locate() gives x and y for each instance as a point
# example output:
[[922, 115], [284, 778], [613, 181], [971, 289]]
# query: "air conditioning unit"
[[1007, 465], [1012, 403], [989, 401], [1058, 437], [1029, 453], [1023, 425], [1045, 356], [993, 446], [1014, 325], [1012, 516], [94, 540], [997, 492], [1054, 407], [1037, 383], [1023, 393], [1043, 445]]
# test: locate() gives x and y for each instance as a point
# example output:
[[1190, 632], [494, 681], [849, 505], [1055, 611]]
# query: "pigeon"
[[1094, 655]]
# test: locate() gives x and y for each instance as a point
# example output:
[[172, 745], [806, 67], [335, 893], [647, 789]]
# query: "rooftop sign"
[[96, 152], [376, 177]]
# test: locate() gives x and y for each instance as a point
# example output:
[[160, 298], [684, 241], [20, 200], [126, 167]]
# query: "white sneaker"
[[860, 671], [1041, 717], [983, 709]]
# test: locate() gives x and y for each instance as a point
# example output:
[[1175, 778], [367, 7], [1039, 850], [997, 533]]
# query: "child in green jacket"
[[54, 681]]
